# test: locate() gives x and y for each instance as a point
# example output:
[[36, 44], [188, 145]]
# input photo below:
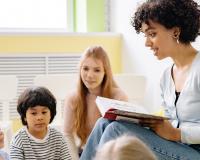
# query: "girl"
[[95, 79]]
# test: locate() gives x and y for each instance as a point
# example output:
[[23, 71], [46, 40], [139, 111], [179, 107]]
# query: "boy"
[[37, 108]]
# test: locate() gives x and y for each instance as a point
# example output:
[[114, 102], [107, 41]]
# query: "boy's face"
[[37, 119]]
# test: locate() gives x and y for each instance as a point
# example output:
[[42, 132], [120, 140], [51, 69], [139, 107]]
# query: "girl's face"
[[92, 73], [159, 39], [37, 119]]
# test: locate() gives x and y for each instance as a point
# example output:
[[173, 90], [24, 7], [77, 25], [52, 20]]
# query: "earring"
[[176, 36], [177, 41]]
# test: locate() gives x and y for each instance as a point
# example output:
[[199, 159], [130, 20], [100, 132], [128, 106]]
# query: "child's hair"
[[34, 96], [125, 148]]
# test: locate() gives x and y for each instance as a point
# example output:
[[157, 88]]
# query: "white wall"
[[136, 57]]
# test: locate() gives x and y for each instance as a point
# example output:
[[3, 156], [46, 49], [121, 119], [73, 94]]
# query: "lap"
[[164, 149]]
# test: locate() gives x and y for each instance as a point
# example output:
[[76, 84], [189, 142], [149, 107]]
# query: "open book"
[[120, 110]]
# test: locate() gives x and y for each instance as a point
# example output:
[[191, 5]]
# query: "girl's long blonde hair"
[[79, 100]]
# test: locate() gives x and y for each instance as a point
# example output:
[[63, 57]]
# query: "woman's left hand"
[[163, 128]]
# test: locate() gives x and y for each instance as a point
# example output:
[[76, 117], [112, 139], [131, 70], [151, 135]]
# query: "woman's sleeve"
[[190, 134]]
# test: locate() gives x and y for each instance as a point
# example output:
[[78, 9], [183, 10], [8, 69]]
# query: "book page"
[[105, 104], [120, 110]]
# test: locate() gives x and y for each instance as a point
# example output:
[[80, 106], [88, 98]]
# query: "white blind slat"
[[26, 67]]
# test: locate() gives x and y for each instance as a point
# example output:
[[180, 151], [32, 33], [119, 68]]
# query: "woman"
[[169, 28], [96, 79]]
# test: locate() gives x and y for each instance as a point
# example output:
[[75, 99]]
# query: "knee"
[[118, 128], [102, 123], [112, 131], [101, 120], [115, 129]]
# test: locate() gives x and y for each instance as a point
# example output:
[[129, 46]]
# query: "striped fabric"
[[52, 147]]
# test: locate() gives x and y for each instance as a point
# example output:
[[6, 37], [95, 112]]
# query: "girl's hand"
[[163, 128]]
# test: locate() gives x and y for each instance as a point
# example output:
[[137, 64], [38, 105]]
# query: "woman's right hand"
[[163, 128]]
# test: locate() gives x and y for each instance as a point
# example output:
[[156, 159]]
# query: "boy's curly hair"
[[184, 14]]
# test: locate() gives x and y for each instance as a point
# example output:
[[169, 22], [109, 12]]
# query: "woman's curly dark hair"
[[184, 14]]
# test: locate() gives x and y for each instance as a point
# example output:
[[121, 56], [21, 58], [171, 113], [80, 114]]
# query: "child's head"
[[36, 96], [100, 66], [94, 75], [125, 148]]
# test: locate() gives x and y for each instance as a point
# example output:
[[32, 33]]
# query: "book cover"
[[120, 110]]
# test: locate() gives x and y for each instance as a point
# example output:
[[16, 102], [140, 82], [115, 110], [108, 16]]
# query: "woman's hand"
[[163, 128]]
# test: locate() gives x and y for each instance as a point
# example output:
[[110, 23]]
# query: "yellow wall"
[[63, 43]]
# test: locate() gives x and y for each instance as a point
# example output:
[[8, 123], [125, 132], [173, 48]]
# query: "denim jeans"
[[106, 130], [4, 155]]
